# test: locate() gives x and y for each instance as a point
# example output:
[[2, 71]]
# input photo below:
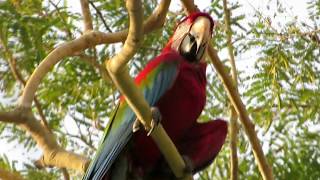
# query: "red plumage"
[[180, 108]]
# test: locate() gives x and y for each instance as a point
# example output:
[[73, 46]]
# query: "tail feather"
[[112, 145]]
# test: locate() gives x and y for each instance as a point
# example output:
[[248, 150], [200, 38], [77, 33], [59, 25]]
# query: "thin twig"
[[233, 130], [65, 173], [67, 30], [100, 16]]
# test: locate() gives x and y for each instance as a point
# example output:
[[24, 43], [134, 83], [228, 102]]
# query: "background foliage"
[[281, 89]]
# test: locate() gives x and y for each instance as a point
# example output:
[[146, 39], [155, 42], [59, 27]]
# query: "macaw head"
[[192, 36]]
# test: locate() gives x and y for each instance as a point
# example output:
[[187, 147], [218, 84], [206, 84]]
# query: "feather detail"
[[156, 78]]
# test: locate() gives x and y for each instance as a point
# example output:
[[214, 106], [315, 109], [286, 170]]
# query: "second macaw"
[[174, 84]]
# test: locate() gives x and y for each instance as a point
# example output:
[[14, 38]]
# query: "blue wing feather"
[[117, 136]]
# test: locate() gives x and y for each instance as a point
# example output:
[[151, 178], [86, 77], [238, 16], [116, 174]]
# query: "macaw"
[[174, 84]]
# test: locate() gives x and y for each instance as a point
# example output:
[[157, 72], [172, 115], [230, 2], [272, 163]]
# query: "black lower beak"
[[189, 48], [190, 53]]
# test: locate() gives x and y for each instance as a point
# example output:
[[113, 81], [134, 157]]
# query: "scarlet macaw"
[[174, 83]]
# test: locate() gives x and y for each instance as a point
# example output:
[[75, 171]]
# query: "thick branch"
[[15, 116], [119, 73], [233, 130], [236, 101], [54, 155], [86, 16], [17, 75], [8, 175], [67, 49]]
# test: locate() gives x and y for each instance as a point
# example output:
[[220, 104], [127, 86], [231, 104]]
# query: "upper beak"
[[195, 42], [201, 29]]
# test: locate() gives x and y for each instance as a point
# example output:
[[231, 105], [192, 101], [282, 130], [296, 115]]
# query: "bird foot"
[[188, 169], [156, 119]]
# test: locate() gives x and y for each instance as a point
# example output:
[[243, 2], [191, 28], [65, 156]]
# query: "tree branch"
[[233, 130], [8, 175], [120, 75], [85, 41], [53, 154], [86, 16], [67, 30], [17, 75], [65, 174], [235, 99], [100, 16]]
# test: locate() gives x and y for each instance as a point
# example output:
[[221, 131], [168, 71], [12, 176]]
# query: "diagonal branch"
[[120, 75], [236, 101], [100, 16], [53, 154]]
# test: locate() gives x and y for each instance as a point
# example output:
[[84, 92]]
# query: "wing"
[[154, 80]]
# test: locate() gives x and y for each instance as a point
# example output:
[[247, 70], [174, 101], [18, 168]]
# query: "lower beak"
[[191, 48]]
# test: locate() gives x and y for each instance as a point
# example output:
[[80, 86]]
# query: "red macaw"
[[174, 83]]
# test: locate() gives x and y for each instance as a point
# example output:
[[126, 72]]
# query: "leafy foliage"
[[281, 91]]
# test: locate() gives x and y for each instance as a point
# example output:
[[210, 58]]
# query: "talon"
[[156, 118], [188, 169], [136, 125]]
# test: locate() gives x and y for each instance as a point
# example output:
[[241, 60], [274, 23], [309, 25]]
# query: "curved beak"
[[194, 44]]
